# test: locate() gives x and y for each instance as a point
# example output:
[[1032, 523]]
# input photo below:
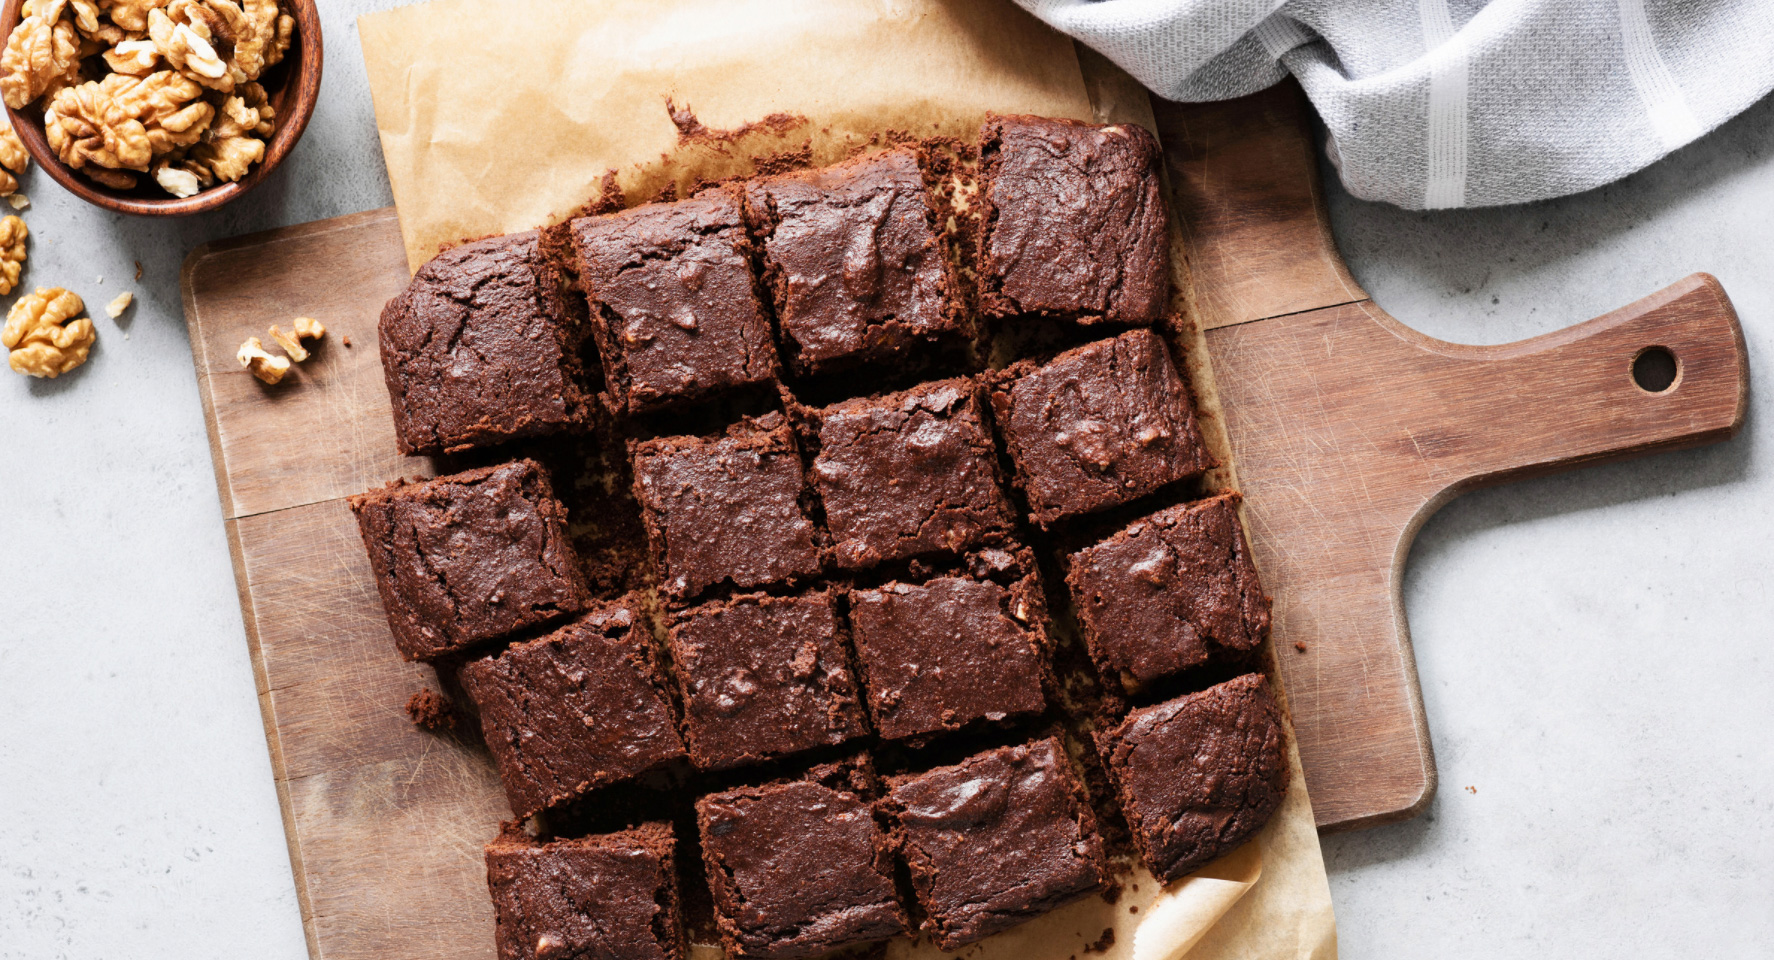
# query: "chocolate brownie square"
[[908, 474], [998, 839], [609, 897], [725, 509], [1074, 223], [469, 557], [938, 655], [482, 347], [762, 677], [798, 868], [1199, 774], [674, 309], [581, 708], [1168, 592], [853, 260], [1098, 425]]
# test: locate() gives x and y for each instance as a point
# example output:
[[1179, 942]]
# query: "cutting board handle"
[[1666, 372], [1352, 429]]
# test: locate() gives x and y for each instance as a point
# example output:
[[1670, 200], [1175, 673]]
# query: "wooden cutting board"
[[1349, 431]]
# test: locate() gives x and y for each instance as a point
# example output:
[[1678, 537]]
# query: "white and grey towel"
[[1457, 103]]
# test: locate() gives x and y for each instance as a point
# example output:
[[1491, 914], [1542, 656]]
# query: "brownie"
[[908, 474], [853, 261], [1074, 223], [469, 557], [482, 347], [1098, 425], [797, 868], [725, 509], [956, 649], [581, 708], [1198, 775], [674, 309], [762, 677], [609, 897], [1002, 837], [1171, 591]]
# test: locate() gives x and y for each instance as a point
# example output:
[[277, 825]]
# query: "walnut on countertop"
[[45, 333], [13, 158], [42, 54], [12, 252], [266, 366]]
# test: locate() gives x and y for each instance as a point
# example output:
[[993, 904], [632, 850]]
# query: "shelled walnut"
[[13, 158], [304, 328], [161, 87], [268, 367], [12, 252], [45, 333]]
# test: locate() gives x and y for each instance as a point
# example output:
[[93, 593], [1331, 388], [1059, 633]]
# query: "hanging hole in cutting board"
[[1656, 370]]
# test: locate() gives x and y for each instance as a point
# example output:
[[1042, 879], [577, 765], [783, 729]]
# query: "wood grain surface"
[[1349, 429]]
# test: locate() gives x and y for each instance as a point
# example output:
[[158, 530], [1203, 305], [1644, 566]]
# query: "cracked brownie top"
[[469, 557]]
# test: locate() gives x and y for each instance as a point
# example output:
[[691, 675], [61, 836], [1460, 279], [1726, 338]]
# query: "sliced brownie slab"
[[1198, 775], [908, 474], [853, 260], [482, 347], [1171, 591], [469, 557], [725, 510], [1074, 225], [953, 650], [798, 868], [763, 677], [581, 708], [1098, 425], [608, 897], [672, 301], [998, 839]]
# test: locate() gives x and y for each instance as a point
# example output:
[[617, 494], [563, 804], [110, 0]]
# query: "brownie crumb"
[[692, 131], [1102, 943], [430, 710], [347, 341], [1112, 893], [1300, 645]]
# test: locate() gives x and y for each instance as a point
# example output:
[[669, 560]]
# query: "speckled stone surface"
[[1593, 647]]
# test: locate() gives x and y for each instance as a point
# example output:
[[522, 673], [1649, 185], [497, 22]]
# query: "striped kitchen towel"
[[1457, 103]]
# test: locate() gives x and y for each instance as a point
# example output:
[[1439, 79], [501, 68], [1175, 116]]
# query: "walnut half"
[[12, 252], [14, 158], [45, 333]]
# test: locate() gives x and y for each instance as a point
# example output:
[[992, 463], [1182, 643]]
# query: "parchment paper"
[[502, 115]]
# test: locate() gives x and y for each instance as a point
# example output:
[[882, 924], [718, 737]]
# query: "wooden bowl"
[[292, 87]]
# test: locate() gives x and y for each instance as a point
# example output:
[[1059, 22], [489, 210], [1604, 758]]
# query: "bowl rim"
[[304, 64]]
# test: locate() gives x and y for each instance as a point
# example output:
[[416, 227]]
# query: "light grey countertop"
[[1593, 647]]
